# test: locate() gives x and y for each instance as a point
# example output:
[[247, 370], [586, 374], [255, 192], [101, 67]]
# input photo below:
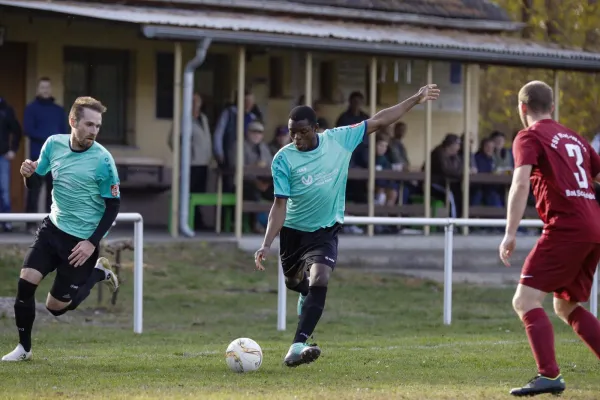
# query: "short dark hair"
[[450, 139], [44, 79], [82, 103], [538, 96], [354, 95], [382, 137], [496, 134], [301, 113]]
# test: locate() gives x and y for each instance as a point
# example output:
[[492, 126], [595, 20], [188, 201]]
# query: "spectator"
[[201, 154], [317, 106], [257, 154], [10, 139], [225, 138], [488, 195], [281, 138], [43, 118], [385, 189], [446, 166], [398, 156], [356, 189], [502, 156], [461, 153]]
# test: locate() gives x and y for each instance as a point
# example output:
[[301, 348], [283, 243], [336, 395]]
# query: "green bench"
[[210, 199]]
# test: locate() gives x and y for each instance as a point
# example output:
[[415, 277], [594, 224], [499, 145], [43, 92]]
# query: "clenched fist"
[[28, 168]]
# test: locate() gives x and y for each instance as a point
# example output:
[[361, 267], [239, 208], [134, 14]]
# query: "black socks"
[[25, 311], [311, 313]]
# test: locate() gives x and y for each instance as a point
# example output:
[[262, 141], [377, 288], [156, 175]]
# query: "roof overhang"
[[365, 14], [327, 35]]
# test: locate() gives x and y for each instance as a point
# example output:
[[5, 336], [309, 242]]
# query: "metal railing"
[[138, 256], [448, 224]]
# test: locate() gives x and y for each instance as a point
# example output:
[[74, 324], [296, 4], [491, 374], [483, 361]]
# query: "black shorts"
[[299, 250], [50, 251]]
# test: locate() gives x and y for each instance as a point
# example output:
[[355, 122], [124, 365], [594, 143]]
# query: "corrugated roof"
[[475, 9], [361, 38]]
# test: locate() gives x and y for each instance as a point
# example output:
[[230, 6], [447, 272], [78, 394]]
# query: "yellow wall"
[[47, 37]]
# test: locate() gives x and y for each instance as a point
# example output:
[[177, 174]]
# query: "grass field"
[[381, 336]]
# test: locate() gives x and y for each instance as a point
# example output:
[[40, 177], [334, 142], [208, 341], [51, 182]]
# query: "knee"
[[523, 304], [564, 308], [56, 307], [292, 282], [25, 291], [320, 278]]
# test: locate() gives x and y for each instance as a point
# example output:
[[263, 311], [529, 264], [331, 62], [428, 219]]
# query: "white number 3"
[[574, 150]]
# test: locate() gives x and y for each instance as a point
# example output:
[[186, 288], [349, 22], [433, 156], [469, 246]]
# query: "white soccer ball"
[[243, 355]]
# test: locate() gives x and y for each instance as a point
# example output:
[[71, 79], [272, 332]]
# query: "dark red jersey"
[[562, 178]]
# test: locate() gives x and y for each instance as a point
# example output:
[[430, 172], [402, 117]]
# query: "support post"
[[466, 146], [309, 78], [448, 249], [239, 164], [594, 296], [176, 142], [556, 95], [428, 134], [281, 297], [372, 144], [138, 276]]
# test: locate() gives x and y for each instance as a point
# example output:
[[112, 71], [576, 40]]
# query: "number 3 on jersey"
[[574, 150]]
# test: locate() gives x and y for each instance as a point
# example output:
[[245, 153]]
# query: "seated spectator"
[[461, 153], [281, 138], [487, 195], [446, 167], [502, 156], [257, 154]]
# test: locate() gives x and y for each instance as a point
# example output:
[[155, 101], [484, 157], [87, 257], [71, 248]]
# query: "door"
[[13, 70]]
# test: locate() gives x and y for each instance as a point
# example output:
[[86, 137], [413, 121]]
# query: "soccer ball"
[[243, 355]]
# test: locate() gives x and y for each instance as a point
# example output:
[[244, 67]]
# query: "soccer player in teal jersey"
[[309, 177], [85, 203]]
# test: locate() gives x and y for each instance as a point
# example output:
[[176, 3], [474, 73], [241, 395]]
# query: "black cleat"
[[541, 385]]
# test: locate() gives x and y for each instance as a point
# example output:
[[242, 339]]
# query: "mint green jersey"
[[314, 182], [81, 180]]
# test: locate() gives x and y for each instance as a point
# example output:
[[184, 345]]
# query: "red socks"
[[541, 339], [587, 327]]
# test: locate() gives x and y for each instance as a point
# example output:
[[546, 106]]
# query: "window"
[[104, 75], [276, 69], [165, 71]]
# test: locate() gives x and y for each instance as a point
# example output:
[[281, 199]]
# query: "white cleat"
[[111, 278], [18, 354]]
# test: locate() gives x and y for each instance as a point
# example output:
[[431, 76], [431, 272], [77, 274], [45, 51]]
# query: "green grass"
[[382, 337]]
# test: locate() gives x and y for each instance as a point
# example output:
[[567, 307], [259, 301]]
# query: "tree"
[[572, 23]]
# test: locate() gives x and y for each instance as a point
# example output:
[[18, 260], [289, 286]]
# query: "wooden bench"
[[142, 174]]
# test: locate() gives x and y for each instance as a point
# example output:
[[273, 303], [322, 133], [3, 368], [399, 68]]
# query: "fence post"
[[281, 297], [594, 295], [448, 249]]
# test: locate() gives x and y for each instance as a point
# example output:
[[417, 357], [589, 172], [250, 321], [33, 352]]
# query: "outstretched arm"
[[390, 115]]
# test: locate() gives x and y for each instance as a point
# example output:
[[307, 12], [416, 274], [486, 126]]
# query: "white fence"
[[448, 224], [138, 256]]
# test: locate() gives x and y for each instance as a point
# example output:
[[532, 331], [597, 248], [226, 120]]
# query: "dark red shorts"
[[565, 268]]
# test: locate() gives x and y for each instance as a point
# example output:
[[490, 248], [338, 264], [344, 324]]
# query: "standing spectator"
[[201, 146], [10, 139], [446, 166], [225, 138], [43, 118]]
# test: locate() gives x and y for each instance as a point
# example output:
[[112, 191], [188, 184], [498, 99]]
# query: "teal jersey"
[[81, 180], [314, 182]]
